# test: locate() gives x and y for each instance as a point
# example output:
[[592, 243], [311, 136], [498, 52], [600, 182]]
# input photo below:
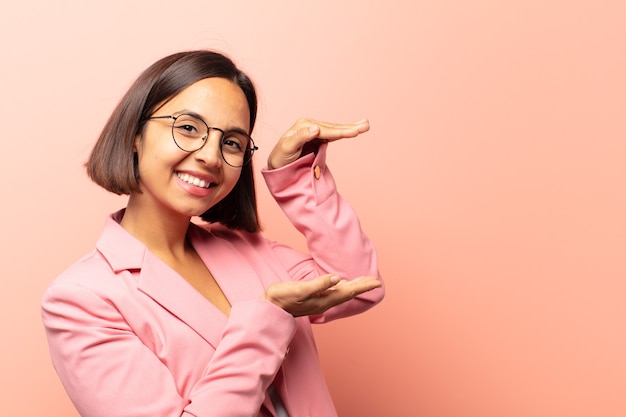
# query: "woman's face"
[[177, 182]]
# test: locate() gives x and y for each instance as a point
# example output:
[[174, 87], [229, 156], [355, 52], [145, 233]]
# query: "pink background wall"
[[493, 181]]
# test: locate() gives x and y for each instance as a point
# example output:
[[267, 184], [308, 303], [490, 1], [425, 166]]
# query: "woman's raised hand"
[[307, 298], [293, 144]]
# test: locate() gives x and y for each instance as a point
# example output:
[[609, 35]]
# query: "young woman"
[[169, 317]]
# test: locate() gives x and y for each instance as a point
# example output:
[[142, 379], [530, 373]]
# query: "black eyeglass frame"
[[249, 150]]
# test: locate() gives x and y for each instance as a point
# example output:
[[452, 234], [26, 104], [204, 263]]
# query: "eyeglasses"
[[190, 133]]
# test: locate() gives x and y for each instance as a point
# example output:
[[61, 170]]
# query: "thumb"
[[303, 136], [321, 283]]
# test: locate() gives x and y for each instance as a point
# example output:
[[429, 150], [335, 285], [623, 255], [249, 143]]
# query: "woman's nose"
[[210, 153]]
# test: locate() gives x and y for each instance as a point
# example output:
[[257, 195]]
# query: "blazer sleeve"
[[306, 192], [108, 371]]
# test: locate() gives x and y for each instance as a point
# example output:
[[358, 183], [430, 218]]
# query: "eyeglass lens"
[[190, 133]]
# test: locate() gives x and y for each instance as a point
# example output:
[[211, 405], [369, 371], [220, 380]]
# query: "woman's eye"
[[188, 128], [231, 143], [188, 125]]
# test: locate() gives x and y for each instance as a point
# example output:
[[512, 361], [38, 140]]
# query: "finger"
[[318, 285], [364, 284], [307, 129], [293, 144], [359, 124], [346, 290], [333, 131]]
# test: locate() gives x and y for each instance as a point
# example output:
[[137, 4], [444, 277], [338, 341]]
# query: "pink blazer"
[[128, 336]]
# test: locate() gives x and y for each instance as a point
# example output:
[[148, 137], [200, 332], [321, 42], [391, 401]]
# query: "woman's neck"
[[162, 232]]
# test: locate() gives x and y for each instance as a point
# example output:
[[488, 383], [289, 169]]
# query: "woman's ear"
[[136, 146], [137, 142]]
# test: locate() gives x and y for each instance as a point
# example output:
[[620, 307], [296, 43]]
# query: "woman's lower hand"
[[293, 144], [307, 298]]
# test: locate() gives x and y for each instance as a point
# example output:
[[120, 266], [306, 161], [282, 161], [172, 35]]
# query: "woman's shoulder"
[[91, 273]]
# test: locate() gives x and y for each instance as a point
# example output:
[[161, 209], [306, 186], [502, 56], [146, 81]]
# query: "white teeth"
[[193, 180]]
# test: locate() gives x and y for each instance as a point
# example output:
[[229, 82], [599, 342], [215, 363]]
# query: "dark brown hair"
[[112, 163]]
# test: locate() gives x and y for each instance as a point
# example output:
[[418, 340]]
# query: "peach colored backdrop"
[[493, 181]]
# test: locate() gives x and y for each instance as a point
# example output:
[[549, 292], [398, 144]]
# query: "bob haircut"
[[113, 164]]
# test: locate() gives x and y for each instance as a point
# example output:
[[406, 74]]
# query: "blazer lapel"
[[160, 282], [233, 264], [229, 265], [228, 262], [174, 293]]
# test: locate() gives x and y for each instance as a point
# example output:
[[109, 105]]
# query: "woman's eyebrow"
[[194, 114]]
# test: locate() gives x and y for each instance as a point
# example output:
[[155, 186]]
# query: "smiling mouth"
[[194, 181]]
